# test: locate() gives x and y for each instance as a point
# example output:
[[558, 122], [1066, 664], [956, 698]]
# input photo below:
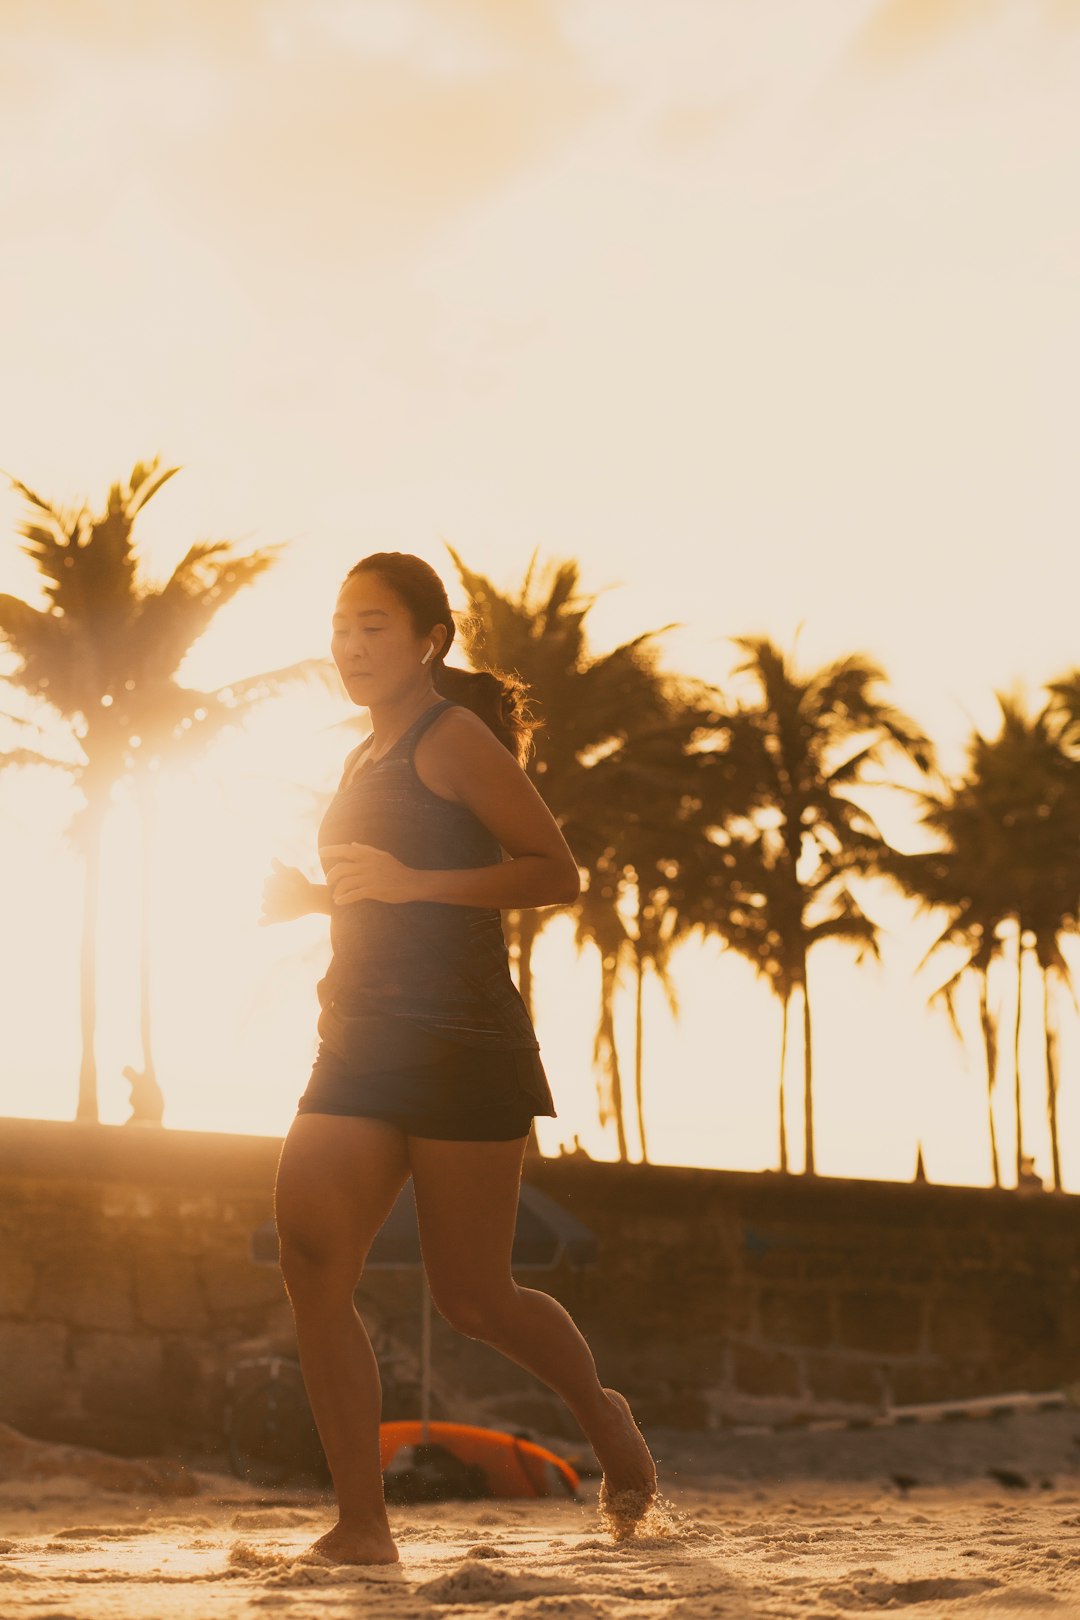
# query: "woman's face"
[[375, 647]]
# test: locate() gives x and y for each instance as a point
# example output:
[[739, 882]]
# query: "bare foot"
[[345, 1546], [629, 1483]]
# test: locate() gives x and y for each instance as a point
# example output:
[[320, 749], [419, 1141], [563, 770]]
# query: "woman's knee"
[[316, 1278], [477, 1312], [334, 1188]]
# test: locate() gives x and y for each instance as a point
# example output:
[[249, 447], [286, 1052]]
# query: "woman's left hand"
[[362, 872]]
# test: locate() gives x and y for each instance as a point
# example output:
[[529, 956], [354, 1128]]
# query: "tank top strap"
[[411, 736]]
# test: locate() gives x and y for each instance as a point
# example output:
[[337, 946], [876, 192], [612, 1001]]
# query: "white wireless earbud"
[[428, 654]]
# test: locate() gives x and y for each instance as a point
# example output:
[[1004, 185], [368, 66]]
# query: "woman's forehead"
[[366, 591]]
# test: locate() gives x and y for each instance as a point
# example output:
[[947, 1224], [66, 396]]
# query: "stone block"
[[686, 1409], [119, 1374], [760, 1371], [32, 1355], [168, 1295], [768, 1251], [1024, 1313], [919, 1382], [845, 1378], [16, 1282], [737, 1310], [887, 1321], [796, 1316], [88, 1289], [191, 1391], [958, 1328], [232, 1285]]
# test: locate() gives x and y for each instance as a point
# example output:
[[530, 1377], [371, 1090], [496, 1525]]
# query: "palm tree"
[[591, 707], [785, 837], [947, 879], [590, 704], [1028, 782], [1064, 710], [1010, 861], [645, 806], [102, 658], [598, 922]]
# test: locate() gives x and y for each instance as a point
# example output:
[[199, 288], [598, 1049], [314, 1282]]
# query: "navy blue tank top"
[[443, 967]]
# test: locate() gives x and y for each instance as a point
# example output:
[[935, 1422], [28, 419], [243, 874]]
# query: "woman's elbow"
[[569, 886]]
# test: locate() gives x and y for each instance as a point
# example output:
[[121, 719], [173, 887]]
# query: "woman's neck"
[[389, 721]]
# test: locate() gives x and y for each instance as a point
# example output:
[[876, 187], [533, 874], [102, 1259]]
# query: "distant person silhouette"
[[428, 1062], [1029, 1179], [147, 1101]]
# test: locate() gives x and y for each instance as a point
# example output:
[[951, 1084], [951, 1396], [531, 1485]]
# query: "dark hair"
[[498, 697]]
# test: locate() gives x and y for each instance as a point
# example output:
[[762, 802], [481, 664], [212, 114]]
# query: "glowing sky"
[[767, 313]]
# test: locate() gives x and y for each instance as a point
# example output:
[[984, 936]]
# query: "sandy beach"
[[950, 1519]]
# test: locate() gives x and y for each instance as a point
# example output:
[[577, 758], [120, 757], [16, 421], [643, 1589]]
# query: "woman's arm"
[[287, 893], [524, 880], [460, 758]]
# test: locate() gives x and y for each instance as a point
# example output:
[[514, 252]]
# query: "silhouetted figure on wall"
[[1030, 1180], [147, 1100]]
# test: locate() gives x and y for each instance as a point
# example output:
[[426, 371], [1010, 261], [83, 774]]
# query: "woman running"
[[428, 1064]]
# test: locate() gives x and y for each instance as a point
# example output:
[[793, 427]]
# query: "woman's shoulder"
[[457, 727], [457, 749]]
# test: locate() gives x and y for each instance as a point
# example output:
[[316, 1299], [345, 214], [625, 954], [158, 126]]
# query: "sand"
[[963, 1519]]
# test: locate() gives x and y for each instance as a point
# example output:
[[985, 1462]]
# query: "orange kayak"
[[511, 1466]]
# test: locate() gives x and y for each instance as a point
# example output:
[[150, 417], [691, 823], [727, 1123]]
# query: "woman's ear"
[[439, 637]]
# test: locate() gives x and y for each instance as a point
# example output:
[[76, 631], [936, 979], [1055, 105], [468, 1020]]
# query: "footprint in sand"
[[271, 1518], [893, 1594], [479, 1583], [100, 1532], [557, 1608]]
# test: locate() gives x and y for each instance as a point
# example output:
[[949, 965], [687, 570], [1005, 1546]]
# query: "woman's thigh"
[[466, 1209], [337, 1180]]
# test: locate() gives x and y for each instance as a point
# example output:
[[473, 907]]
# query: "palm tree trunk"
[[1051, 1036], [149, 817], [783, 1104], [808, 1085], [87, 1106], [1016, 1047], [524, 928], [990, 1043], [617, 1104], [607, 1053], [638, 1026]]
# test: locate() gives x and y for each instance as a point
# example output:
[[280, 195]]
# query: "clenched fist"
[[362, 872], [287, 893]]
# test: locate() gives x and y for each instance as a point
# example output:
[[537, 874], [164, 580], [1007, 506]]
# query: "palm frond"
[[30, 756]]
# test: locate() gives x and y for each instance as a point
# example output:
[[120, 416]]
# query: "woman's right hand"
[[287, 893]]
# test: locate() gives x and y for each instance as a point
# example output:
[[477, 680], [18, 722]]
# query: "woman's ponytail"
[[499, 699]]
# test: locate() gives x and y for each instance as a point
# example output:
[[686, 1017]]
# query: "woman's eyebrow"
[[364, 613]]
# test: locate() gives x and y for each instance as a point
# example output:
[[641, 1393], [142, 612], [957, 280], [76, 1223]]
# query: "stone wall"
[[771, 1295], [127, 1290], [125, 1280]]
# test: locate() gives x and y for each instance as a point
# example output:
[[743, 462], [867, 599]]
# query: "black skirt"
[[389, 1069]]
